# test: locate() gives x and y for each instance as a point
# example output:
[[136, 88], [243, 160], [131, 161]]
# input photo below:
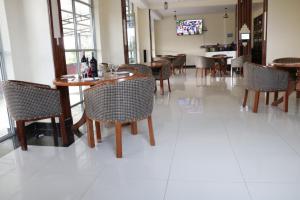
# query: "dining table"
[[75, 80], [292, 65]]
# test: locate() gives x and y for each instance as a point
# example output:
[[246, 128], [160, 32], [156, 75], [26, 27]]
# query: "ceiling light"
[[166, 5], [226, 14]]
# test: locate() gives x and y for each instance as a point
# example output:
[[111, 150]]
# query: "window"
[[131, 34], [5, 122], [78, 29]]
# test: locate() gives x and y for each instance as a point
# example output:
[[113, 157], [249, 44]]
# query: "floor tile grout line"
[[237, 160], [92, 183], [285, 141], [18, 189], [173, 154]]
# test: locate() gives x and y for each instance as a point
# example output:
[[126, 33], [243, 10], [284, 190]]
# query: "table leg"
[[81, 122], [298, 81], [277, 101]]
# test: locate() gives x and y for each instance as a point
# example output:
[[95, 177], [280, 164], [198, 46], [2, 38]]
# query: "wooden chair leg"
[[286, 101], [197, 70], [245, 98], [98, 131], [267, 98], [161, 86], [21, 134], [297, 94], [63, 132], [151, 134], [55, 135], [275, 96], [118, 139], [256, 101], [169, 86], [134, 130], [90, 133], [155, 89]]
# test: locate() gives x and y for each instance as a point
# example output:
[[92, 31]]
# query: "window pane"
[[68, 30], [132, 54], [86, 1], [66, 5], [71, 61], [84, 26], [4, 120]]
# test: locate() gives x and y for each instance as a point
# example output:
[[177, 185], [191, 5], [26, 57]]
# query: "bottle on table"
[[93, 66], [84, 65]]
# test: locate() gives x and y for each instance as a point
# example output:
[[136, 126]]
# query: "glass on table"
[[115, 68], [110, 67]]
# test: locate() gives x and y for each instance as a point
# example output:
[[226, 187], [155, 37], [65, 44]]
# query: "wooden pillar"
[[244, 14], [265, 31], [60, 68], [150, 30]]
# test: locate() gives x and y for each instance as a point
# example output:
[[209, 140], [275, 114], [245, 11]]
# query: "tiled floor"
[[208, 148]]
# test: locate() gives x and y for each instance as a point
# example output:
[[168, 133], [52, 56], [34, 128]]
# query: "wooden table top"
[[73, 80], [286, 65], [155, 64]]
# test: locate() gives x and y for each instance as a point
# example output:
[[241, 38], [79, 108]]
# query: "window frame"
[[78, 50], [3, 77]]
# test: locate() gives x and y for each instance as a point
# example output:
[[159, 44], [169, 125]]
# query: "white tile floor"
[[207, 148]]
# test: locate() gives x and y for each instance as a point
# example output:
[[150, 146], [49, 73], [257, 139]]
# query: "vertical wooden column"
[[150, 30], [244, 13], [60, 69], [265, 31]]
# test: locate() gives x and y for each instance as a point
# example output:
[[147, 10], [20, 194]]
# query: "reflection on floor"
[[208, 147]]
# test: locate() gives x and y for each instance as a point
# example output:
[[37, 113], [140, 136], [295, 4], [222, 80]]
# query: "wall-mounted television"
[[189, 26]]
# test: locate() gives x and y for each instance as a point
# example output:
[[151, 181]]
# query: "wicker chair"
[[204, 63], [30, 102], [120, 102], [163, 74], [265, 79], [238, 63], [178, 63]]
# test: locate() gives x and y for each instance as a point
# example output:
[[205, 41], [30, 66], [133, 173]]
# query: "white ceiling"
[[192, 7], [196, 10]]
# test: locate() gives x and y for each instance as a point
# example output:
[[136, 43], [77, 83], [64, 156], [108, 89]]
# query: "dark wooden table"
[[290, 67]]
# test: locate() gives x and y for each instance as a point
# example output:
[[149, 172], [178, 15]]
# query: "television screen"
[[189, 27]]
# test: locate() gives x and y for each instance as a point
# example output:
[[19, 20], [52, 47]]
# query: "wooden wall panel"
[[244, 14]]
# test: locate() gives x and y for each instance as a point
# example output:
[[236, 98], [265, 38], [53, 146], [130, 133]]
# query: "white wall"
[[27, 40], [143, 33], [111, 31], [283, 29], [167, 42]]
